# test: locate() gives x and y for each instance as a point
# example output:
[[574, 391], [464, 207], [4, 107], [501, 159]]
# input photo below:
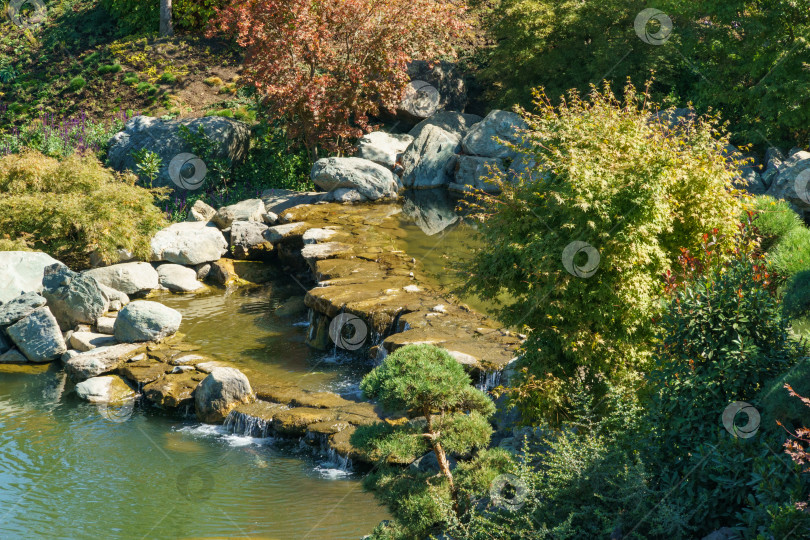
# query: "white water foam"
[[222, 434]]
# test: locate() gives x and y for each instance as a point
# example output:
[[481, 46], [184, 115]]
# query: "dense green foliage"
[[74, 207], [742, 57], [633, 190], [448, 415], [139, 17]]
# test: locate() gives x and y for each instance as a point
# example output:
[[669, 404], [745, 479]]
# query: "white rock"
[[383, 148], [105, 325], [189, 243], [201, 212], [87, 341], [178, 278], [21, 271], [106, 389], [128, 278]]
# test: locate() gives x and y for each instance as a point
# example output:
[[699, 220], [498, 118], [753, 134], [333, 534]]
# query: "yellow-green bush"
[[605, 175], [74, 207]]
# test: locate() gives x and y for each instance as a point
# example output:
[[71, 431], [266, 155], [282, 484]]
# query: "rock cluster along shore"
[[116, 341]]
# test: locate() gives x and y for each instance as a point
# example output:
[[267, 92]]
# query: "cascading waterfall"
[[487, 380], [245, 424]]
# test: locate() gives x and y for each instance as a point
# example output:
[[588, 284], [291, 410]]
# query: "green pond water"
[[66, 471]]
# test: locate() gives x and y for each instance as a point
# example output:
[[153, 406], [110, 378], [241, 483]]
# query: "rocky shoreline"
[[118, 343]]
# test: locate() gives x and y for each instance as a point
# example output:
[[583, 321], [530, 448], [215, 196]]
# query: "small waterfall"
[[336, 461], [382, 353], [245, 424], [487, 380]]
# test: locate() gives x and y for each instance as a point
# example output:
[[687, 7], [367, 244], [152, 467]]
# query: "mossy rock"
[[294, 422]]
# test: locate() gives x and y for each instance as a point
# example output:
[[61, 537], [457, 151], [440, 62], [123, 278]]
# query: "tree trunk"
[[166, 28], [444, 464]]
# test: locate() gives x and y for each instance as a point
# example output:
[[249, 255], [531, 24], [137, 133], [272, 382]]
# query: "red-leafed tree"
[[325, 66]]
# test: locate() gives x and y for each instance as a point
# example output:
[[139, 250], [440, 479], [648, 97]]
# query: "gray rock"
[[5, 345], [178, 278], [146, 321], [21, 272], [792, 183], [220, 392], [19, 307], [446, 77], [373, 181], [117, 298], [13, 356], [73, 298], [106, 325], [249, 240], [121, 255], [270, 218], [249, 210], [201, 211], [276, 201], [476, 172], [38, 336], [106, 389], [432, 210], [87, 341], [135, 278], [482, 139], [202, 270], [82, 366], [383, 148], [429, 160], [345, 195], [232, 140], [189, 243], [316, 235], [421, 100], [453, 122]]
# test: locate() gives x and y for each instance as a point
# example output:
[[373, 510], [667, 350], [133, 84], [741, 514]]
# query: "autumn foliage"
[[326, 66]]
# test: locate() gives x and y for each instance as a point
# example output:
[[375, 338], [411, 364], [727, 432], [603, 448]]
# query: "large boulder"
[[421, 100], [429, 160], [73, 298], [473, 173], [22, 271], [20, 307], [143, 320], [178, 278], [383, 148], [180, 169], [483, 139], [100, 360], [446, 77], [38, 336], [133, 278], [453, 122], [189, 243], [222, 390], [369, 179], [249, 210], [106, 389], [792, 183], [249, 240]]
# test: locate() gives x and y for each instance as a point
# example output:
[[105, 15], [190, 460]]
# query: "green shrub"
[[131, 79], [796, 300], [74, 207], [227, 113], [722, 339], [146, 88], [637, 194], [792, 254], [167, 77], [774, 219], [77, 83], [110, 68]]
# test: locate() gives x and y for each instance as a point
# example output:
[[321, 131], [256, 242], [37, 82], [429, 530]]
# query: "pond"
[[66, 471]]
